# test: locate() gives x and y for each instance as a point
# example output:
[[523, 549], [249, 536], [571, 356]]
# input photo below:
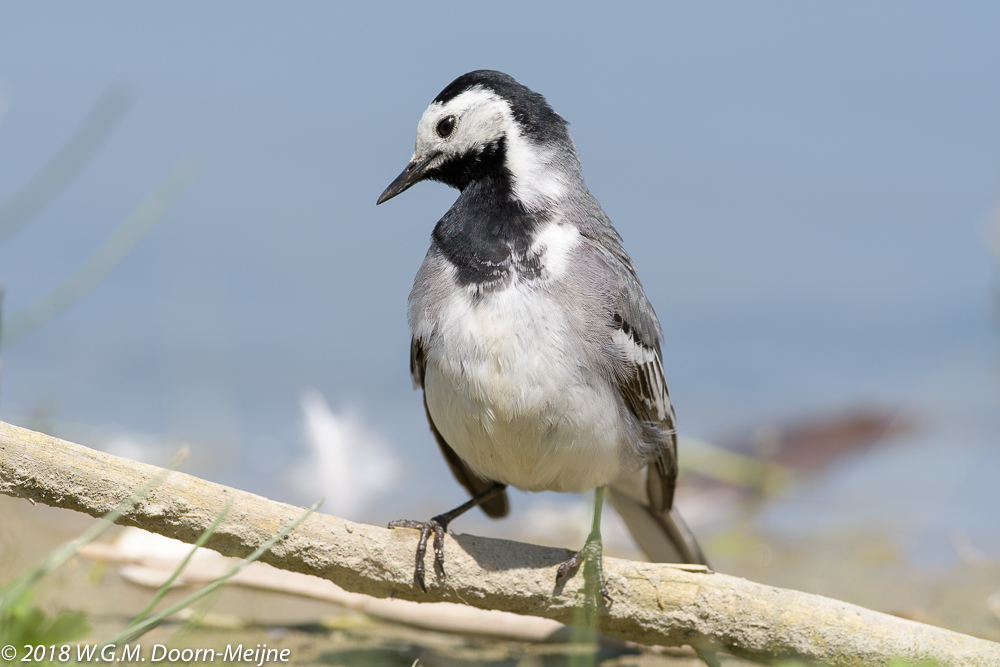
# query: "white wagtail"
[[534, 343]]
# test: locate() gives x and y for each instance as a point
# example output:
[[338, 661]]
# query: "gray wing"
[[496, 507], [644, 389], [650, 516], [640, 377]]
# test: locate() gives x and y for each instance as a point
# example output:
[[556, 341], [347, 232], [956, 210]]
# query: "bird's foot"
[[591, 557], [438, 525]]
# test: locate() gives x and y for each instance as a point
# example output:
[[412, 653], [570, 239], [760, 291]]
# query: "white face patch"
[[482, 117]]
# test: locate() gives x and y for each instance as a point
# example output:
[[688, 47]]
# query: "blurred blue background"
[[809, 192]]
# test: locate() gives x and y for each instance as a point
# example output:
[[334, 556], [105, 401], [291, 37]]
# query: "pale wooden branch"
[[653, 603], [153, 571]]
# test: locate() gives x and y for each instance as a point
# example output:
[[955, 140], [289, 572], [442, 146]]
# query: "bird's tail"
[[664, 537]]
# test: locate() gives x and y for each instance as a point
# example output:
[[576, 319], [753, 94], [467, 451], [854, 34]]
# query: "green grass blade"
[[136, 630], [16, 588], [187, 559], [112, 251], [63, 168]]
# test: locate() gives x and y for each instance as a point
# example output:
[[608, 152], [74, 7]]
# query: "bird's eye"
[[445, 126]]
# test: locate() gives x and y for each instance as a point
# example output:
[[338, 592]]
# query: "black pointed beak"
[[413, 174]]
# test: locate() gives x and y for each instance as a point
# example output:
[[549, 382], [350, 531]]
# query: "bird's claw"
[[426, 528], [591, 556]]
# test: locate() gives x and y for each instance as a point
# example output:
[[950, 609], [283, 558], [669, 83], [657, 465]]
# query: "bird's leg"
[[592, 551], [438, 525]]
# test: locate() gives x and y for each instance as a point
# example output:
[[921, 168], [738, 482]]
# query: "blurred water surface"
[[809, 193]]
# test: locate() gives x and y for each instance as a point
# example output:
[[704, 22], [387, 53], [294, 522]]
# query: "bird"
[[533, 341]]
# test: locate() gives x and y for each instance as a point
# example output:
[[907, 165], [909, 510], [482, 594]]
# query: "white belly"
[[508, 386]]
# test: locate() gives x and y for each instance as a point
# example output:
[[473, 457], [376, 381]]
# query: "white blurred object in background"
[[349, 463]]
